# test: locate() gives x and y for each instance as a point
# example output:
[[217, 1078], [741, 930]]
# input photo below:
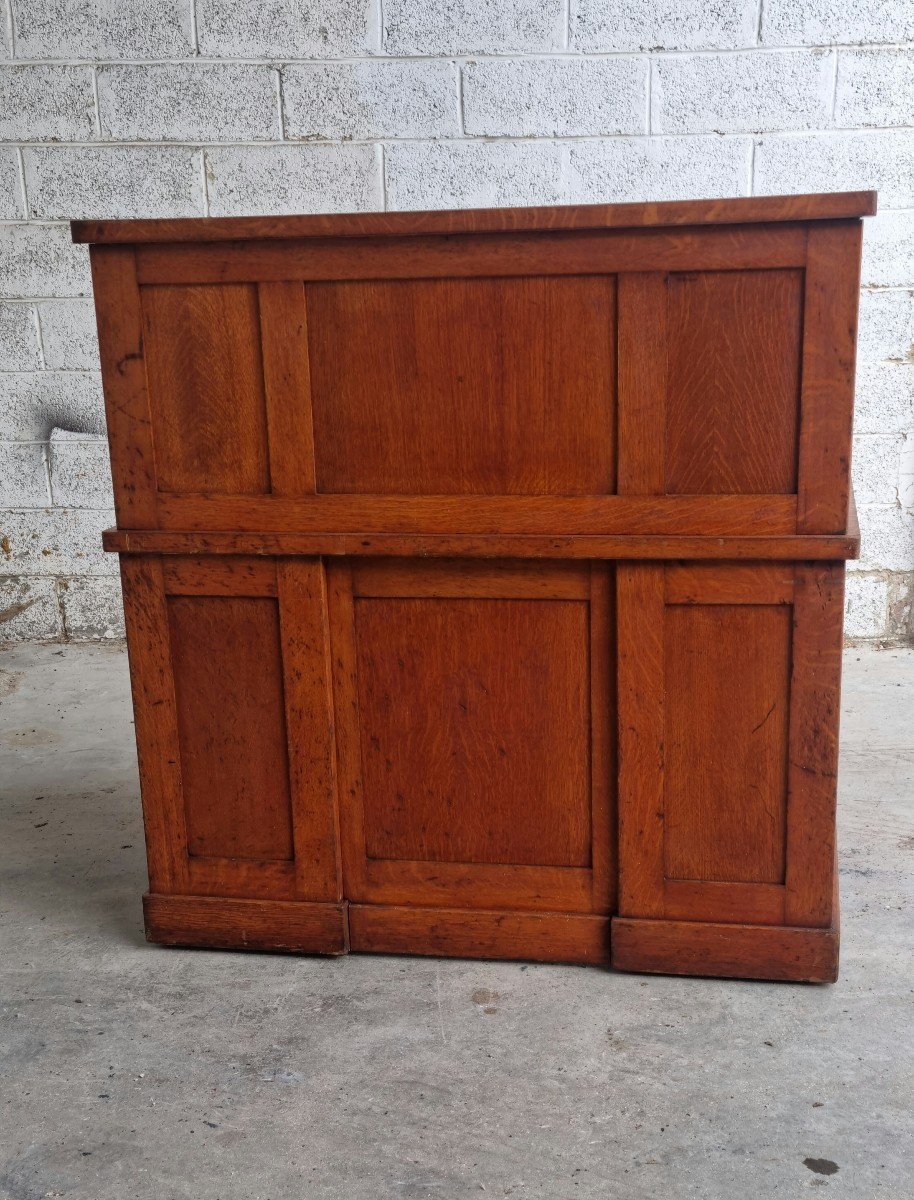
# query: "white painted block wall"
[[153, 108]]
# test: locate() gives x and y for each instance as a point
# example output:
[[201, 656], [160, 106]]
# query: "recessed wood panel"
[[475, 730], [205, 373], [733, 381], [225, 654], [727, 697], [445, 386]]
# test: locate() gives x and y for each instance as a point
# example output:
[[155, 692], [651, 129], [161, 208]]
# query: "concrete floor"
[[133, 1071]]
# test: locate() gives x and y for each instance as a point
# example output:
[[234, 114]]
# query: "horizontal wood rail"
[[334, 545], [831, 206]]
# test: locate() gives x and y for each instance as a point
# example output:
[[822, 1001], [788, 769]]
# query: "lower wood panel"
[[729, 951], [227, 924], [458, 933]]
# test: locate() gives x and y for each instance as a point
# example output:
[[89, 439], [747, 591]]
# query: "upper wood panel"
[[449, 386], [205, 377], [828, 206], [733, 381]]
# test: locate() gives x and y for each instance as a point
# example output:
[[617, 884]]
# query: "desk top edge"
[[825, 206]]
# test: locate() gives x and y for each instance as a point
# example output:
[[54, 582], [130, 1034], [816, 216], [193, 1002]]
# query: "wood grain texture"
[[309, 719], [230, 924], [476, 256], [155, 722], [205, 372], [228, 681], [727, 686], [642, 340], [829, 352], [487, 386], [727, 951], [511, 546], [205, 575], [814, 724], [540, 937], [828, 206], [733, 381], [558, 516], [640, 689], [287, 384], [473, 712], [129, 423]]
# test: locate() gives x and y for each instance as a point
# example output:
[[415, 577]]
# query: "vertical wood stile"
[[120, 340], [642, 354], [287, 381], [814, 719], [305, 633], [827, 392], [604, 851], [155, 714], [348, 749], [640, 674]]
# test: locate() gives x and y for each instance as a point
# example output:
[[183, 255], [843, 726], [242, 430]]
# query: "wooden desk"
[[483, 575]]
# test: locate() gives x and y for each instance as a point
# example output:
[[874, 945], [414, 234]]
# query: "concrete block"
[[114, 181], [102, 29], [41, 260], [886, 539], [888, 250], [866, 599], [906, 473], [34, 403], [886, 327], [80, 471], [884, 400], [658, 169], [23, 477], [473, 26], [18, 338], [365, 100], [814, 23], [29, 611], [293, 179], [93, 608], [876, 467], [741, 93], [474, 174], [875, 88], [69, 336], [47, 104], [555, 97], [882, 159], [287, 28], [12, 204], [610, 25], [55, 541], [187, 102]]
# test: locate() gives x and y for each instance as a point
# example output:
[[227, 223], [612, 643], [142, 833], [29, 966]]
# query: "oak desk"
[[483, 576]]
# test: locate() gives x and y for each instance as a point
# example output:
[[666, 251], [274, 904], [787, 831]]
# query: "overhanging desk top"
[[483, 575]]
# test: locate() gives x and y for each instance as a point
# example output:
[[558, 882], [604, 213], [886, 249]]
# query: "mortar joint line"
[[193, 25], [461, 111], [758, 23], [650, 94], [834, 86], [98, 107], [566, 32], [20, 170], [383, 150], [11, 25]]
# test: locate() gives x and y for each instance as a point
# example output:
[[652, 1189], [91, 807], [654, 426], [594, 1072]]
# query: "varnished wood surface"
[[230, 924], [511, 546], [521, 402], [826, 206], [483, 576], [541, 937], [727, 951]]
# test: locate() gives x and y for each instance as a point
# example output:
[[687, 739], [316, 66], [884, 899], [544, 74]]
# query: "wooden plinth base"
[[728, 951], [458, 933], [223, 924], [661, 947]]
